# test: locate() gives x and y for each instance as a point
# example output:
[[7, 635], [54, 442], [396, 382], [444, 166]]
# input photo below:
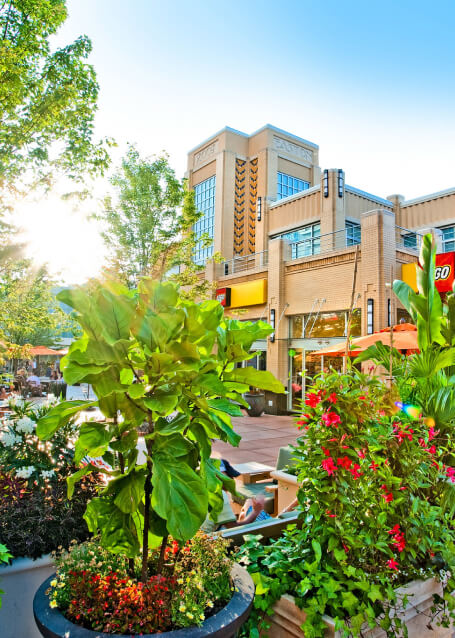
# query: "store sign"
[[443, 274], [223, 295]]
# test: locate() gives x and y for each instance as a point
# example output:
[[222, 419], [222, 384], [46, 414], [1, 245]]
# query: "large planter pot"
[[225, 624], [20, 581], [288, 618], [256, 403]]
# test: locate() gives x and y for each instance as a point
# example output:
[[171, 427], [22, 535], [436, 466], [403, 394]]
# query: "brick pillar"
[[332, 213], [397, 200], [378, 264], [277, 352]]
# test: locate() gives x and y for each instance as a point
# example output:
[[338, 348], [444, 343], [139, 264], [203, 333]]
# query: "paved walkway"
[[262, 437]]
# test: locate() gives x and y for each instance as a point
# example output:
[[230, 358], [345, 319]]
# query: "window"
[[352, 233], [204, 198], [370, 316], [288, 185], [325, 325], [304, 241], [448, 239]]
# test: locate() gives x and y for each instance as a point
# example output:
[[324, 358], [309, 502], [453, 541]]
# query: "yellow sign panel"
[[409, 275], [251, 293]]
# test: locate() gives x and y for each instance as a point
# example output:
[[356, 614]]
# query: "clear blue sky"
[[373, 83]]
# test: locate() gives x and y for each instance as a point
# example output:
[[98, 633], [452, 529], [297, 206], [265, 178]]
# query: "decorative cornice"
[[370, 196], [426, 198]]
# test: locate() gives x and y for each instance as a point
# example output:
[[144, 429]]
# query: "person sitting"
[[253, 510], [34, 385], [33, 380]]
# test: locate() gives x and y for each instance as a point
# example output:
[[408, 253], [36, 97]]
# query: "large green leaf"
[[93, 440], [255, 378], [116, 312], [179, 496], [58, 416], [117, 529], [429, 362], [167, 427], [224, 405], [163, 402], [74, 478], [129, 491]]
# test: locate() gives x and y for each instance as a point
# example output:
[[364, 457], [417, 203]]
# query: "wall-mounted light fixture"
[[272, 323], [340, 183], [259, 208], [325, 182], [389, 312], [370, 316]]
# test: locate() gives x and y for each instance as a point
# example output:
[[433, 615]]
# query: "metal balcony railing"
[[324, 244], [409, 239], [242, 263]]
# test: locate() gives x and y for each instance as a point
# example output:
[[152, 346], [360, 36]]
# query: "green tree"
[[47, 98], [29, 311], [148, 225]]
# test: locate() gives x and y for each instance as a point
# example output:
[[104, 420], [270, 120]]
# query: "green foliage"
[[164, 364], [4, 558], [29, 311], [376, 505], [48, 98], [149, 225]]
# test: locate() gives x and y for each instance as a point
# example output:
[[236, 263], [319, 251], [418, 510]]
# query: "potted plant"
[[255, 399], [375, 550], [35, 517], [166, 366]]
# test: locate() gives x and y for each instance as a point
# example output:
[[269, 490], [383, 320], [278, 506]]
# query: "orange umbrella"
[[404, 338]]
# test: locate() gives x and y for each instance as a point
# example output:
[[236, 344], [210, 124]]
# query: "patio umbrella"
[[404, 339]]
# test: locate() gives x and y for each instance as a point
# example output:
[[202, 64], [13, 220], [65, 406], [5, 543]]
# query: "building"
[[289, 233]]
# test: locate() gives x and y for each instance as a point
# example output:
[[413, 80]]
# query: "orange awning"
[[37, 351], [404, 339]]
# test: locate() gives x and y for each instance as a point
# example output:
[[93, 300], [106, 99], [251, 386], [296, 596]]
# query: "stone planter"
[[224, 624], [288, 618], [19, 581], [287, 490], [256, 403]]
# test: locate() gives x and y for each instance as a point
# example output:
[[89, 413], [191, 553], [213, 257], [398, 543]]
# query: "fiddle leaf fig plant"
[[164, 366]]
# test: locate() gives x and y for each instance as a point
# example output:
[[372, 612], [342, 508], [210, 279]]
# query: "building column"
[[377, 265], [332, 212]]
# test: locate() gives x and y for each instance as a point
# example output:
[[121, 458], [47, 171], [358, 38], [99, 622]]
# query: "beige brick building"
[[289, 233]]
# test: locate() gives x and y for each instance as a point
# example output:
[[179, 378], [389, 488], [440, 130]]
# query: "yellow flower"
[[180, 581], [209, 604], [61, 585], [54, 583], [182, 608], [201, 616], [53, 603], [190, 615]]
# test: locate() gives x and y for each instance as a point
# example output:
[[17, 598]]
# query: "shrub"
[[376, 512]]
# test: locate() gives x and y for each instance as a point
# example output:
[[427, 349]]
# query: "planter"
[[287, 490], [288, 618], [256, 403], [20, 581], [225, 624]]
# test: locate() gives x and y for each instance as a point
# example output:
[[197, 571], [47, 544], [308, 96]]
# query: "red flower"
[[331, 419], [355, 471], [325, 450], [450, 473], [362, 398], [329, 466], [431, 434], [432, 449], [312, 399], [392, 564], [387, 497], [303, 421], [332, 398], [374, 466], [329, 513], [345, 462], [394, 530], [361, 454]]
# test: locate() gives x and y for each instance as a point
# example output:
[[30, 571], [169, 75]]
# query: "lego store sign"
[[443, 274], [223, 295]]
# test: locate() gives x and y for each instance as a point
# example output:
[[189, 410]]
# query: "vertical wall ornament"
[[239, 206], [252, 205]]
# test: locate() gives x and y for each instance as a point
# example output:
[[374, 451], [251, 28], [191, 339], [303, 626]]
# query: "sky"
[[372, 83]]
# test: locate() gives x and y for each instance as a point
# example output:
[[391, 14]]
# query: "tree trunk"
[[145, 536]]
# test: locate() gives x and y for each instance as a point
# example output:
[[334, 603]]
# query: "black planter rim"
[[224, 624]]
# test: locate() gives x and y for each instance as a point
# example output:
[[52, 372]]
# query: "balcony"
[[324, 244], [407, 239], [243, 263]]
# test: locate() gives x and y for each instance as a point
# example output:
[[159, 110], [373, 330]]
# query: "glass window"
[[204, 198], [288, 185], [448, 239], [352, 233], [326, 325], [304, 241], [409, 240]]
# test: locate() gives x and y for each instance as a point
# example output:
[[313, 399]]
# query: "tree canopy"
[[47, 98], [148, 224]]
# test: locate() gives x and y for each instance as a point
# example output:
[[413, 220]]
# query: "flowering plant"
[[4, 558], [24, 455], [375, 499], [101, 591]]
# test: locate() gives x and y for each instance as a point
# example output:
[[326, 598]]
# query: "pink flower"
[[329, 466], [450, 473], [361, 454], [331, 419], [431, 434], [392, 564]]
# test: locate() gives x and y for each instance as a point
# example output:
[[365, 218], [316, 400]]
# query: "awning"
[[38, 351]]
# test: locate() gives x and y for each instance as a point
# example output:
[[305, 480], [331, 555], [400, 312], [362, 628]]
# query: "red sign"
[[223, 295], [444, 272]]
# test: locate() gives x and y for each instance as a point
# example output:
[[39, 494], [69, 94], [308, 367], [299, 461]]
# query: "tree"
[[47, 99], [29, 311], [149, 224]]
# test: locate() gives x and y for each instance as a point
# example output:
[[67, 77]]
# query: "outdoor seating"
[[257, 483], [270, 528]]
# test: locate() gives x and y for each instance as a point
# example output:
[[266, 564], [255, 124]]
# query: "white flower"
[[47, 474], [25, 425], [25, 472], [8, 439]]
